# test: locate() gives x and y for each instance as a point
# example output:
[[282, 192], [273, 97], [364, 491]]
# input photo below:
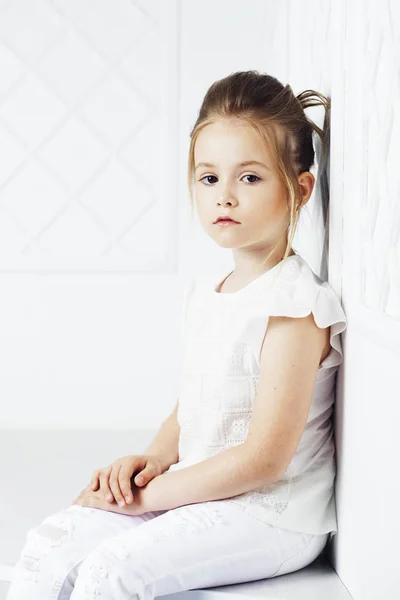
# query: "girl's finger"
[[124, 478], [94, 482], [114, 485], [105, 484]]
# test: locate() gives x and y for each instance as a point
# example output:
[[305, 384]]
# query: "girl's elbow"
[[264, 471]]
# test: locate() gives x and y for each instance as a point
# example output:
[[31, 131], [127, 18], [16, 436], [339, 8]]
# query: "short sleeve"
[[328, 311], [298, 294], [316, 296]]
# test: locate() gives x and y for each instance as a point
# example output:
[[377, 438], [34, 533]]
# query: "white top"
[[223, 334]]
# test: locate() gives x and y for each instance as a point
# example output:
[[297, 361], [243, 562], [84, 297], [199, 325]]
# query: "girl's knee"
[[105, 574], [46, 543]]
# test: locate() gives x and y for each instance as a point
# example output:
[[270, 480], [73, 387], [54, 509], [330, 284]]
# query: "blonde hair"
[[277, 115]]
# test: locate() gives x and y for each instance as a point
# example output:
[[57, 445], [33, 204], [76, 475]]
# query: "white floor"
[[43, 471]]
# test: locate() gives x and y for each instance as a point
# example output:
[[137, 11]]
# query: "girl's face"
[[251, 194]]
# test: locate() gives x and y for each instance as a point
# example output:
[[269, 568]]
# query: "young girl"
[[252, 494]]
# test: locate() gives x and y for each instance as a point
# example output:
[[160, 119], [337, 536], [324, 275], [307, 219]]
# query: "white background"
[[96, 238]]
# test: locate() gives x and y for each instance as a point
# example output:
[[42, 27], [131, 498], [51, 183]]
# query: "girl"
[[248, 492]]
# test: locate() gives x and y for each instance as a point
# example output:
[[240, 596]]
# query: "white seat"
[[317, 580]]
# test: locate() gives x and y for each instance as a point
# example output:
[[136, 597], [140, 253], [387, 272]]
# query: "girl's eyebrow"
[[242, 164]]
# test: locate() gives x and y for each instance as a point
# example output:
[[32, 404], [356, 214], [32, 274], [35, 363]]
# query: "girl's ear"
[[306, 183]]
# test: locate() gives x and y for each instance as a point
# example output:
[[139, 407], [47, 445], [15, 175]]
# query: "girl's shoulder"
[[298, 291], [297, 288]]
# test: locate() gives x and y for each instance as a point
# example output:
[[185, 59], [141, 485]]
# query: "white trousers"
[[83, 553]]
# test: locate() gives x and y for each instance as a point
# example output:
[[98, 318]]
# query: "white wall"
[[368, 410], [93, 340], [89, 214]]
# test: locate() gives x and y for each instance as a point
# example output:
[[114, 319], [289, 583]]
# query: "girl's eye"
[[250, 182], [259, 178]]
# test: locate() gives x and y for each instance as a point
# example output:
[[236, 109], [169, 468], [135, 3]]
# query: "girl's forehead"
[[227, 144]]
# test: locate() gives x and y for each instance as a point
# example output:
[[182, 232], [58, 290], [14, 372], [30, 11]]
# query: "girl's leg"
[[58, 545], [195, 546]]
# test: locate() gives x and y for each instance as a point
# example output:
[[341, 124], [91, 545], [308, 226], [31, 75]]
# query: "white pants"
[[83, 553]]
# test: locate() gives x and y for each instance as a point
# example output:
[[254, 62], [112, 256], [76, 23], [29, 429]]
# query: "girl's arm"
[[165, 444], [228, 473], [289, 362]]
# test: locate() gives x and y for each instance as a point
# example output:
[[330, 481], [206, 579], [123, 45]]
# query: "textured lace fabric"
[[223, 334]]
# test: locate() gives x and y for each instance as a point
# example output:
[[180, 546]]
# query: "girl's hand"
[[95, 499], [114, 481]]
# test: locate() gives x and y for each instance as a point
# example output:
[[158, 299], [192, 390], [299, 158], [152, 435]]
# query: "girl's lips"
[[226, 222]]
